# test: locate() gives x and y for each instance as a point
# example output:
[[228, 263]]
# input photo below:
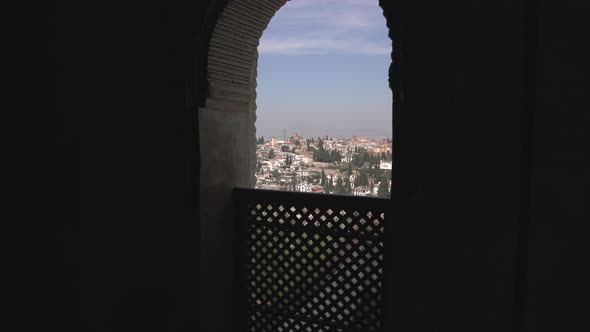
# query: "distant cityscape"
[[359, 166]]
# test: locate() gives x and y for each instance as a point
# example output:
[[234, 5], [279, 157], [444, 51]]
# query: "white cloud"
[[295, 46], [327, 26]]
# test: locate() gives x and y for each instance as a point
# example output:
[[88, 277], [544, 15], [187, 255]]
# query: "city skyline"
[[328, 78], [286, 134], [344, 166]]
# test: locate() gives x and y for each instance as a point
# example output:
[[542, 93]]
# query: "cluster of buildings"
[[289, 164]]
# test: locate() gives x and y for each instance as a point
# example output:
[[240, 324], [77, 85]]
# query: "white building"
[[361, 191], [385, 165], [303, 187]]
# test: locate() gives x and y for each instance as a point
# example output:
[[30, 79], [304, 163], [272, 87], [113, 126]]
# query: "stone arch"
[[231, 74], [230, 103], [227, 137]]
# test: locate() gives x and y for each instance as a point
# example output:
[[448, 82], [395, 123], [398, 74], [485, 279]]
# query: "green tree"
[[347, 186], [328, 186], [271, 154], [383, 190], [339, 189], [362, 179], [377, 171]]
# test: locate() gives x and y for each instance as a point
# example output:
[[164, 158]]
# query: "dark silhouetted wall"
[[458, 178]]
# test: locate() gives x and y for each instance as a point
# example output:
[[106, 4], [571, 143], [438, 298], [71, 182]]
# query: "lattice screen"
[[314, 269]]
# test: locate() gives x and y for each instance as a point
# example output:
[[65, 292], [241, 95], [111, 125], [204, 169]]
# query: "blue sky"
[[322, 70]]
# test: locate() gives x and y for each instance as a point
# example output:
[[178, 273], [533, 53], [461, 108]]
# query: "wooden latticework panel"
[[312, 262]]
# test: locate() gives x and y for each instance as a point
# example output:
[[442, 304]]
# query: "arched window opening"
[[314, 247], [323, 106]]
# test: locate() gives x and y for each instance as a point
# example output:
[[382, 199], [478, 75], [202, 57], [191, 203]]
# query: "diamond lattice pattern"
[[313, 269]]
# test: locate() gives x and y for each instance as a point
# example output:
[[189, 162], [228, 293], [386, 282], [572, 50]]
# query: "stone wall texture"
[[128, 261], [228, 147]]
